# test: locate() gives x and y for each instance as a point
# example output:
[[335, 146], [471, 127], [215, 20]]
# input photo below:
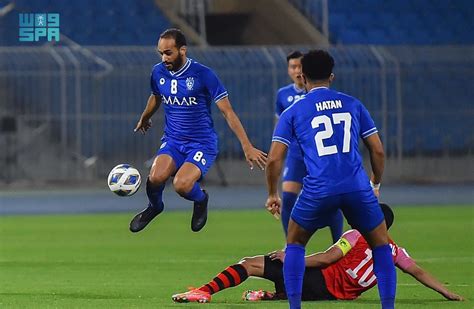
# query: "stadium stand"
[[394, 22], [91, 96]]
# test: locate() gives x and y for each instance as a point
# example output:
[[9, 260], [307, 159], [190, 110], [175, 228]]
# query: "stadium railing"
[[75, 107]]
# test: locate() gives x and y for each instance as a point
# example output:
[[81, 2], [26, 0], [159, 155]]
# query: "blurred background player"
[[295, 169], [189, 143], [327, 125], [344, 271]]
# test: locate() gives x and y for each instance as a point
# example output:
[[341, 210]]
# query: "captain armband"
[[344, 245]]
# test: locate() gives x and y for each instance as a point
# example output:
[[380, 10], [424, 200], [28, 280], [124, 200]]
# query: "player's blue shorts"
[[295, 169], [361, 209], [201, 155]]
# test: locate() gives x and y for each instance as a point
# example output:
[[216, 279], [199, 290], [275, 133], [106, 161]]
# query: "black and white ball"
[[124, 180]]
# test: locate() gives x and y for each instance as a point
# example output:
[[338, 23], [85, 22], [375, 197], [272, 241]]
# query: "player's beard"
[[175, 65]]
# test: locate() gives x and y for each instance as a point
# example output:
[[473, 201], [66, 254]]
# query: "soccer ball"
[[124, 180]]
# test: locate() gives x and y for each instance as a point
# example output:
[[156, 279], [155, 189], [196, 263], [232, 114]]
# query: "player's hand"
[[254, 155], [277, 255], [143, 126], [273, 205], [375, 187], [453, 296]]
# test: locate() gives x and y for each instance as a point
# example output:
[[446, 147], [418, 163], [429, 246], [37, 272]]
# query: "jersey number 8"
[[174, 86], [328, 132]]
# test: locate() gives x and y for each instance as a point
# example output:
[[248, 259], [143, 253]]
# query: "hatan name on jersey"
[[321, 106], [172, 100]]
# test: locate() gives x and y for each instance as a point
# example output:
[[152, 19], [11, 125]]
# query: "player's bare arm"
[[275, 160], [377, 160], [319, 259], [324, 259], [152, 106], [431, 282], [252, 154]]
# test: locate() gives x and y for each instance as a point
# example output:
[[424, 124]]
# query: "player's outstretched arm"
[[318, 259], [152, 106], [324, 259], [429, 281], [377, 160], [252, 154]]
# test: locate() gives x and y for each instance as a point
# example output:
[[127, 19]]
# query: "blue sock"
[[293, 272], [155, 195], [384, 270], [336, 226], [196, 194], [289, 199]]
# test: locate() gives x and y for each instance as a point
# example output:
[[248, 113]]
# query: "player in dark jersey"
[[344, 271], [295, 170], [327, 125], [187, 90]]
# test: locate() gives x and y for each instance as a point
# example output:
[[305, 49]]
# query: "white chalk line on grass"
[[446, 259], [419, 284]]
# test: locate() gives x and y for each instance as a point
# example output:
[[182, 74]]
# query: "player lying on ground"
[[187, 90], [344, 271]]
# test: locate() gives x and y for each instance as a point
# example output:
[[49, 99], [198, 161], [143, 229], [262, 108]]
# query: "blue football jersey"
[[285, 97], [327, 124], [186, 96]]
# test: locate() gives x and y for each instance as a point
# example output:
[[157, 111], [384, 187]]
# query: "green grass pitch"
[[93, 261]]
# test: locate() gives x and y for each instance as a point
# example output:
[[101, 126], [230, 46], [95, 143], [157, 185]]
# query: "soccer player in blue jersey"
[[327, 125], [295, 170], [187, 90]]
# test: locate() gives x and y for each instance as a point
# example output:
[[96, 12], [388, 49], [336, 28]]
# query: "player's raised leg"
[[186, 184], [161, 170]]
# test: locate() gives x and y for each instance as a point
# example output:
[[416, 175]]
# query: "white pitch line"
[[446, 258], [419, 284]]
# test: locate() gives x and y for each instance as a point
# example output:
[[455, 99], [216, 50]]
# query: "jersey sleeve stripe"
[[374, 128], [221, 96], [281, 140], [369, 132]]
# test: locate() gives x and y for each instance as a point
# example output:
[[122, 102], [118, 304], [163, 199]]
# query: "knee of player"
[[182, 185], [250, 264], [245, 262], [157, 179]]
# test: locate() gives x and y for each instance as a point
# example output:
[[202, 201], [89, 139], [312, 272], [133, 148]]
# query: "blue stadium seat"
[[421, 21]]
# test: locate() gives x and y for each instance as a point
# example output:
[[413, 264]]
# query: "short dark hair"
[[294, 55], [317, 64], [176, 34], [388, 214]]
